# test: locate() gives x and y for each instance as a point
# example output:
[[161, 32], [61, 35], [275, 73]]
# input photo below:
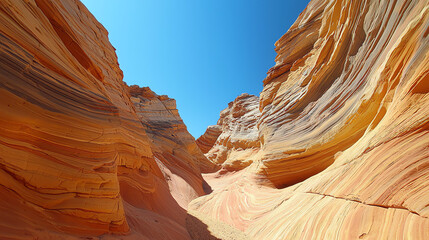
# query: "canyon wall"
[[233, 141], [173, 147], [335, 147], [77, 157], [343, 130]]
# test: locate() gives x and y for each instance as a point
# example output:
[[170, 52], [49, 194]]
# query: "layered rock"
[[343, 130], [75, 159], [234, 141], [336, 146], [173, 146], [206, 141]]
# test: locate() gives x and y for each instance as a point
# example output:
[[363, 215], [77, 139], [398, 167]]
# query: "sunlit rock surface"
[[344, 130], [335, 147], [206, 141], [75, 159], [234, 140], [173, 146]]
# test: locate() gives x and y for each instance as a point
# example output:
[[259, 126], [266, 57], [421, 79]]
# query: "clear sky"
[[203, 53]]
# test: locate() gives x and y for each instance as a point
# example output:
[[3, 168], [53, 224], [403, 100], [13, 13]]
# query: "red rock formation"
[[344, 130], [336, 146], [206, 141], [75, 159]]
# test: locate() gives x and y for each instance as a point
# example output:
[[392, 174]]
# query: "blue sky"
[[203, 53]]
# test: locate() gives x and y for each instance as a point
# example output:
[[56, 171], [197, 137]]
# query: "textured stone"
[[75, 159], [234, 140], [344, 130], [335, 147], [173, 146], [206, 141]]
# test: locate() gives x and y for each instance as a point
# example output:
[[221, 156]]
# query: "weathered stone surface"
[[75, 159], [343, 130], [173, 146], [206, 141], [234, 139], [336, 146]]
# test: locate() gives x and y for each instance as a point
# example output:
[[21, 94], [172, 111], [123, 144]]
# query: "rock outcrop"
[[206, 141], [234, 140], [76, 158], [344, 130], [174, 148]]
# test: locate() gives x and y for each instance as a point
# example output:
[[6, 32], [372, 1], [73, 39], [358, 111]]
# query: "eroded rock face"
[[336, 146], [234, 141], [174, 148], [343, 130], [206, 141], [75, 159]]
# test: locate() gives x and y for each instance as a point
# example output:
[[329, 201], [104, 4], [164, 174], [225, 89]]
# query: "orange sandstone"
[[76, 158], [335, 147], [343, 130]]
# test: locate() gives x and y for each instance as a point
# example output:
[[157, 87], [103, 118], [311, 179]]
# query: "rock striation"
[[206, 141], [234, 141], [343, 130], [77, 158], [335, 147], [174, 148]]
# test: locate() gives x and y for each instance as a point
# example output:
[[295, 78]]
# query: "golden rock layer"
[[336, 146], [75, 159], [344, 130], [206, 141]]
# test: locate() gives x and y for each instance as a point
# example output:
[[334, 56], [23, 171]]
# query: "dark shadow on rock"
[[207, 188], [197, 229]]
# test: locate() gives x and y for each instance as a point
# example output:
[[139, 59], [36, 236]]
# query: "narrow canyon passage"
[[336, 146]]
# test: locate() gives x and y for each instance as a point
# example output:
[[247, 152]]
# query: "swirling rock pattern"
[[173, 146], [344, 130], [233, 142], [206, 141], [75, 159], [335, 147]]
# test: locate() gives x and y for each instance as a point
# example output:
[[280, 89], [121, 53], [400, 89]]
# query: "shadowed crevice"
[[197, 229]]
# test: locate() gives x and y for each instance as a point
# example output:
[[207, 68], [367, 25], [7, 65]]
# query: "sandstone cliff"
[[76, 157], [344, 130], [233, 141], [335, 147], [174, 148], [206, 141]]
